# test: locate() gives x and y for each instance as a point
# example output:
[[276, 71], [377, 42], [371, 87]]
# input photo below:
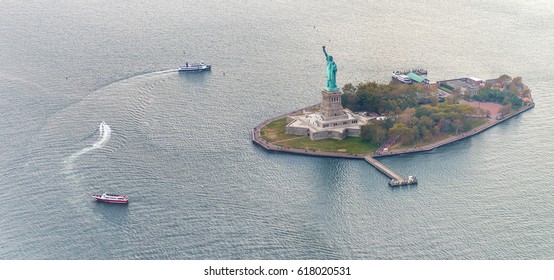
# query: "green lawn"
[[349, 145], [274, 133]]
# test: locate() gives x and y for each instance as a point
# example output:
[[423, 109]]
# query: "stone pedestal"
[[331, 104], [331, 121]]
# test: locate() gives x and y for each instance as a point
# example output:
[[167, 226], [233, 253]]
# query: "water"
[[179, 145]]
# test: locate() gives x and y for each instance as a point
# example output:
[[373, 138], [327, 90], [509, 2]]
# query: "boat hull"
[[189, 69], [99, 198], [402, 78], [195, 67], [112, 201]]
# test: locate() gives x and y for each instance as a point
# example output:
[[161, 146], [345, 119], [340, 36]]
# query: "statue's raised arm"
[[325, 52]]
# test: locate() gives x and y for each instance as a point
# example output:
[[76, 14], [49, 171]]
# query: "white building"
[[331, 121]]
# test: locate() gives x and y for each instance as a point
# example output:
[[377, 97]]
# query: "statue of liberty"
[[331, 72]]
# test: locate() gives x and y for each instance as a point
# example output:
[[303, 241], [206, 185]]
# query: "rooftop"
[[416, 77]]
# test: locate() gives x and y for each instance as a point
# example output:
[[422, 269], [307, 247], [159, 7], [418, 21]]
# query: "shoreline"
[[452, 139], [257, 138]]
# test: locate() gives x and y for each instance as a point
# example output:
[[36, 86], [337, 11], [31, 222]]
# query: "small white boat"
[[111, 198], [195, 67]]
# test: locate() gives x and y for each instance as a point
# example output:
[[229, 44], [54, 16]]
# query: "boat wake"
[[104, 135], [127, 79]]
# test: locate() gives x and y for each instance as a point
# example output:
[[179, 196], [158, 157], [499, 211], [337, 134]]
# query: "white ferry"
[[401, 77], [111, 198], [195, 67]]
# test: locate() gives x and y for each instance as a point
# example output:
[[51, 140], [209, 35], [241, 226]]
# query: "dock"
[[396, 179]]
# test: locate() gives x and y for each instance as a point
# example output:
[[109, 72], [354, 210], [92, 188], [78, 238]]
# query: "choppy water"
[[179, 145]]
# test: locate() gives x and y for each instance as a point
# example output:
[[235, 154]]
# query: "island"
[[409, 114]]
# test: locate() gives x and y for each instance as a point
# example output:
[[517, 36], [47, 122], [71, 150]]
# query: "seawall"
[[453, 139]]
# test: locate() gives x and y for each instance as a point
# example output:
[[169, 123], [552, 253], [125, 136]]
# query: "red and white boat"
[[111, 198]]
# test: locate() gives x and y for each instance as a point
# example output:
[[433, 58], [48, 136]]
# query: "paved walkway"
[[384, 169], [286, 140]]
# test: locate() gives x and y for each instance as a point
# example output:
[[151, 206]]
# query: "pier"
[[396, 179]]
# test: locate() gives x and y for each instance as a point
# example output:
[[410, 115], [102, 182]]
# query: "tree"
[[426, 122], [362, 102], [388, 123], [436, 130], [505, 78], [422, 111], [526, 93], [415, 135], [374, 133], [458, 124], [506, 109], [404, 134], [426, 134], [380, 136], [406, 115], [444, 125], [434, 100], [513, 89], [348, 89], [517, 81], [367, 132]]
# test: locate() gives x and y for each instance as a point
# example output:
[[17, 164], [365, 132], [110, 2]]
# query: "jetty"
[[396, 179]]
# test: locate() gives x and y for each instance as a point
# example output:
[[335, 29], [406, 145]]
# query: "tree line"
[[413, 113], [385, 99], [425, 123], [407, 120]]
